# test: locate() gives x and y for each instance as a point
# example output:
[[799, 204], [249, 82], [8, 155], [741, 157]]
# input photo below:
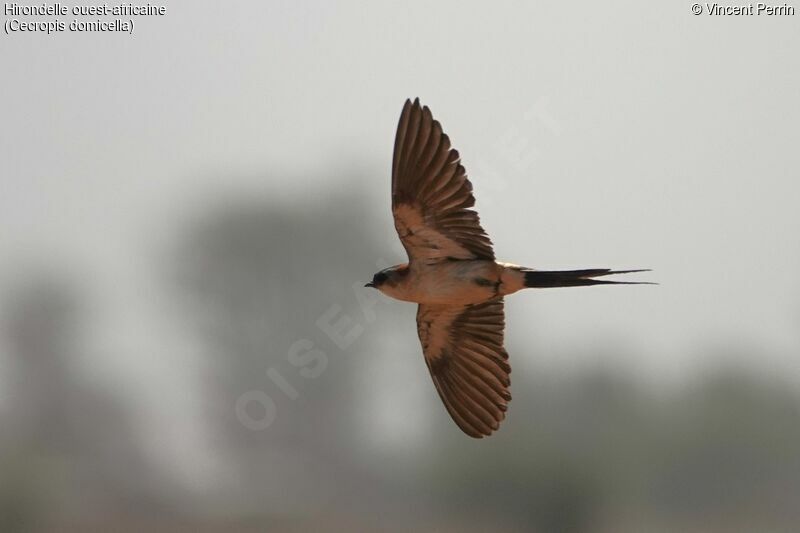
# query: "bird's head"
[[388, 277]]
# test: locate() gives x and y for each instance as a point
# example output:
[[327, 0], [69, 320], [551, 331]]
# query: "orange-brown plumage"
[[453, 275]]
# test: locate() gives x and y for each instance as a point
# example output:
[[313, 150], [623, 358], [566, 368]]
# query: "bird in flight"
[[453, 275]]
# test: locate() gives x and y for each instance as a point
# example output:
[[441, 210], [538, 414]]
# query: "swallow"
[[453, 275]]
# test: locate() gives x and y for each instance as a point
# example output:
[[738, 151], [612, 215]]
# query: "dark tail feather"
[[541, 279]]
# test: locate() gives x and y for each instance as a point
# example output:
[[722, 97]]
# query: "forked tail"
[[541, 279]]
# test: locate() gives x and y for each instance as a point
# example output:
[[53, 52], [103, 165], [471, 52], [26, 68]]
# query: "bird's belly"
[[453, 283]]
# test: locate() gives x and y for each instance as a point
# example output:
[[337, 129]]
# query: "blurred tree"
[[601, 454], [257, 276], [68, 452], [597, 453]]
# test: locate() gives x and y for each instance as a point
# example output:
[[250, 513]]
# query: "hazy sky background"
[[595, 134]]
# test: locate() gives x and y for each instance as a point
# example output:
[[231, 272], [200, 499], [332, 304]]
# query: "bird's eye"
[[379, 278]]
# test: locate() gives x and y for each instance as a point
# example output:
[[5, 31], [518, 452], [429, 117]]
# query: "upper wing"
[[431, 194], [463, 349]]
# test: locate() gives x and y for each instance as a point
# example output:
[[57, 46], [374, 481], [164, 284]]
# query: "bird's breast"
[[449, 283]]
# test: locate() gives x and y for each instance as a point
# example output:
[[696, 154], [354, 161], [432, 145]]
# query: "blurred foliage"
[[591, 451]]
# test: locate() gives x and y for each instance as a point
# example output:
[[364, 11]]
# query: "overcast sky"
[[596, 135]]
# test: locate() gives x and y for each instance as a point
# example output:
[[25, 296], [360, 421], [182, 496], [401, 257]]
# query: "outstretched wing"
[[463, 349], [431, 194]]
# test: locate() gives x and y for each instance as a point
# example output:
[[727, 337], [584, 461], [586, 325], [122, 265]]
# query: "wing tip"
[[415, 104]]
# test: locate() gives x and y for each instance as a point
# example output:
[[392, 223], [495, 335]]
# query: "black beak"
[[370, 284]]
